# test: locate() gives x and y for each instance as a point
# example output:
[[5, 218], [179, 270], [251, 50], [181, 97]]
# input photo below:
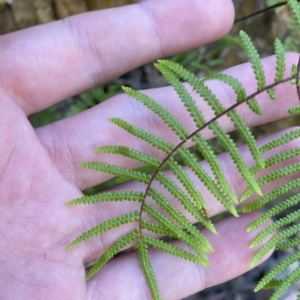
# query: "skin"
[[43, 65]]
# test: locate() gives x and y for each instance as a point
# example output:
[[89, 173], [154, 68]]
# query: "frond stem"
[[297, 84], [163, 162], [262, 11]]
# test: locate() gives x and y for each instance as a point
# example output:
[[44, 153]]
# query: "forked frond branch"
[[175, 149]]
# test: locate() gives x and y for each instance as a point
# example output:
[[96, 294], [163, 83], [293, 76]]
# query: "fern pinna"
[[158, 217]]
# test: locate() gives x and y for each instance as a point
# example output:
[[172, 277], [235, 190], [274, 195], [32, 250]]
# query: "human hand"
[[41, 66]]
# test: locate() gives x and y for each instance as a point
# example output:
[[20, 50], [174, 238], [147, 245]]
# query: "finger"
[[66, 57], [71, 141], [176, 277]]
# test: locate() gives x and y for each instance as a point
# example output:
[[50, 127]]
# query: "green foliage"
[[238, 89], [104, 227], [107, 197], [294, 6], [275, 210], [291, 43], [116, 247], [291, 243], [290, 39], [148, 271], [158, 216], [286, 283], [280, 173], [93, 97], [207, 61], [281, 190], [295, 110], [254, 60], [280, 63], [117, 171], [272, 2]]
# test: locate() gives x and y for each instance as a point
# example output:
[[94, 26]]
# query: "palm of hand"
[[34, 225]]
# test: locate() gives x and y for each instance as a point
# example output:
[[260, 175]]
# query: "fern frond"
[[288, 219], [254, 60], [291, 41], [218, 109], [248, 137], [104, 227], [254, 106], [108, 197], [294, 6], [159, 110], [223, 193], [294, 71], [181, 197], [170, 70], [283, 139], [279, 268], [280, 60], [221, 189], [181, 219], [280, 173], [294, 110], [277, 159], [188, 101], [180, 131], [117, 171], [171, 249], [187, 183], [163, 231], [180, 234], [239, 123], [130, 153], [238, 89], [275, 210], [231, 148], [148, 271], [280, 66], [290, 231], [161, 219], [271, 195], [273, 284], [162, 145], [286, 283], [177, 169], [150, 138], [149, 160], [116, 247], [156, 228], [290, 243], [202, 145], [207, 95]]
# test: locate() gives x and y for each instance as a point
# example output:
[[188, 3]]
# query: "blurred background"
[[227, 52]]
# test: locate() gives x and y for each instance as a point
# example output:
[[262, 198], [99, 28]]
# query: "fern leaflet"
[[116, 247], [104, 227]]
